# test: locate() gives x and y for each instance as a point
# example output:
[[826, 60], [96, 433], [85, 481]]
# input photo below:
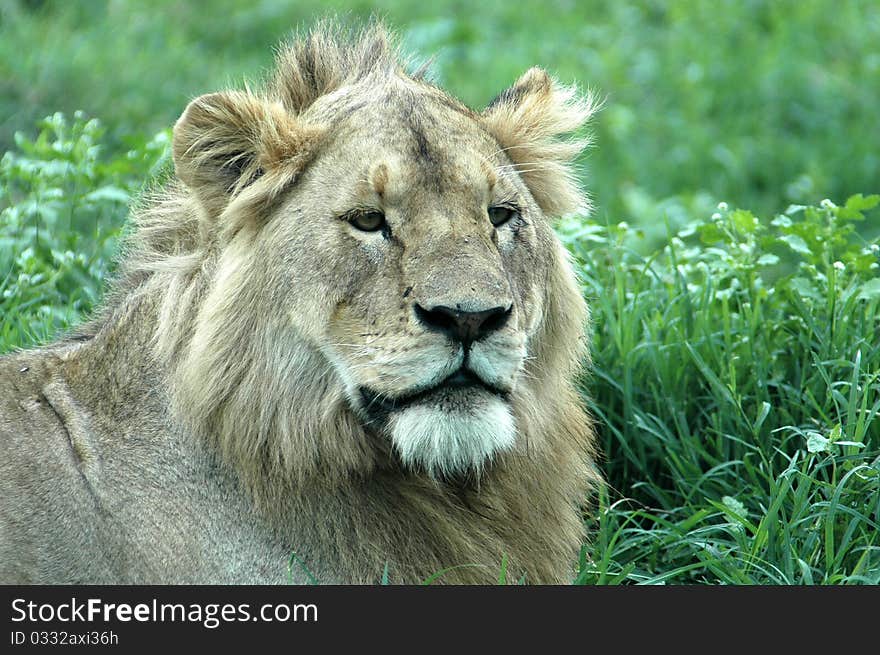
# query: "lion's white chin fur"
[[448, 441]]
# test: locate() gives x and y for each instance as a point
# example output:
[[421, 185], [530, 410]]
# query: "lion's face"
[[429, 257], [404, 238]]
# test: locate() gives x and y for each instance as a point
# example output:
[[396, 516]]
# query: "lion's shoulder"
[[45, 505], [33, 437]]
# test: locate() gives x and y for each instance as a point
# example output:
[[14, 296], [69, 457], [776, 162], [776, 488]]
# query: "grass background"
[[736, 351], [759, 101]]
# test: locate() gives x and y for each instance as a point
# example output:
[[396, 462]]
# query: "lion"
[[342, 346]]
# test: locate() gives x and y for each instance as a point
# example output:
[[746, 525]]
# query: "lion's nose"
[[466, 327]]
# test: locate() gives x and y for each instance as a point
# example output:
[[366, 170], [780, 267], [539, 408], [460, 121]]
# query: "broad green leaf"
[[816, 443], [781, 221], [744, 221], [858, 202], [804, 287], [796, 243]]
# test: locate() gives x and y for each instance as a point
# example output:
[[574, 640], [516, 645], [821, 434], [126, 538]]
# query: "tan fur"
[[528, 120], [208, 423]]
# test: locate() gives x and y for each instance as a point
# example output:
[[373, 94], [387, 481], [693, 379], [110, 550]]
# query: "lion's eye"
[[368, 221], [499, 215]]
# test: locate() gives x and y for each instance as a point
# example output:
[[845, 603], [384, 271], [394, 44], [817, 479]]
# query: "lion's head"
[[363, 269]]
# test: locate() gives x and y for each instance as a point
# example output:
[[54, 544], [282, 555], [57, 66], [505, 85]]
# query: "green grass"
[[737, 385], [736, 376]]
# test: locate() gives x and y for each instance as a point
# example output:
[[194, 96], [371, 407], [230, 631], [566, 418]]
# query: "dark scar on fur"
[[416, 119], [74, 451]]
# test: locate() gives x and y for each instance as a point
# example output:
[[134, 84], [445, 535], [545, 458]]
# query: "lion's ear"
[[224, 142], [530, 120]]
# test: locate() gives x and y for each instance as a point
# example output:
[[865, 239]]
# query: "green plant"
[[737, 385], [62, 208]]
